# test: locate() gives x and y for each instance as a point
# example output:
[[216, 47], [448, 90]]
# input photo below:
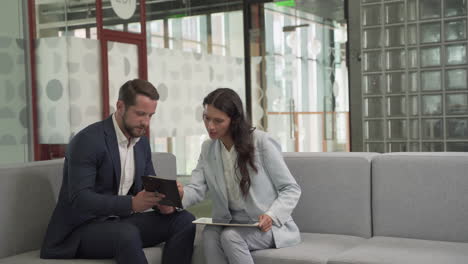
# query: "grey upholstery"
[[28, 193], [315, 248], [153, 254], [165, 165], [391, 250], [336, 192], [421, 196], [355, 208]]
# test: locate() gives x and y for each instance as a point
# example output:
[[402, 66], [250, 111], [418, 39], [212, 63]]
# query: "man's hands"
[[165, 209], [145, 200], [264, 222]]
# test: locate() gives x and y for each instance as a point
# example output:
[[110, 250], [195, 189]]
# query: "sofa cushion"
[[421, 196], [391, 250], [336, 195], [164, 165], [314, 249], [28, 193], [153, 254]]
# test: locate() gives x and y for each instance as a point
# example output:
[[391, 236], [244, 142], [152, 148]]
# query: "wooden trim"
[[32, 62]]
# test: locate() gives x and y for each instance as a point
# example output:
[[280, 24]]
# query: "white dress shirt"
[[127, 161]]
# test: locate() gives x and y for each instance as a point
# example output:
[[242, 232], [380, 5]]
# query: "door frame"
[[106, 35]]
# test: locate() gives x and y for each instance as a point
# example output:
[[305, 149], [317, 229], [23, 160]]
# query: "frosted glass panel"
[[397, 129], [396, 106], [430, 56], [14, 112], [430, 32], [422, 65], [375, 147], [395, 59], [431, 104], [371, 15], [123, 66], [395, 36], [397, 147], [414, 128], [457, 104], [394, 13], [432, 146], [456, 79], [455, 30], [373, 130], [372, 61], [373, 107], [457, 146], [457, 128], [412, 34], [413, 105], [455, 7], [372, 84], [432, 128], [413, 81], [69, 85], [414, 146], [411, 10], [183, 79], [430, 8], [413, 58], [396, 82], [372, 38], [456, 54], [431, 81]]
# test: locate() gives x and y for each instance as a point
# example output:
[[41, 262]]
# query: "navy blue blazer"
[[91, 177]]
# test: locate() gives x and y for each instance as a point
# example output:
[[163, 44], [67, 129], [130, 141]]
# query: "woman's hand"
[[180, 187], [165, 209], [264, 222]]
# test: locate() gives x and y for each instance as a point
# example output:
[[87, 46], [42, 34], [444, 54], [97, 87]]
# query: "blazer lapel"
[[112, 146], [139, 159]]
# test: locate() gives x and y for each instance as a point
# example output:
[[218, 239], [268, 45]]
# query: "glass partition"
[[15, 118], [300, 78], [189, 55], [424, 64]]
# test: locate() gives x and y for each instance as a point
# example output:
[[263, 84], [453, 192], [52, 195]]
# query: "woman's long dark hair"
[[229, 102]]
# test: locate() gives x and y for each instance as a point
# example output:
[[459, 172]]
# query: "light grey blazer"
[[272, 188]]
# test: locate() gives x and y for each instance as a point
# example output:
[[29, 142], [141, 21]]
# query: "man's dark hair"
[[129, 90]]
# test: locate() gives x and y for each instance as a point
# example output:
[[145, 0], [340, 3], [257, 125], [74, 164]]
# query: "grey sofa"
[[355, 208]]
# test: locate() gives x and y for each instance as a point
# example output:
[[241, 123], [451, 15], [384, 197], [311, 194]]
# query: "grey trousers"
[[232, 245]]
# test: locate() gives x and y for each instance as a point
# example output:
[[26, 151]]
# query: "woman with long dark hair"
[[248, 181]]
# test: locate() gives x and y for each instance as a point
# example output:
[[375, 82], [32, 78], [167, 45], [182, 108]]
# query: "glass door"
[[299, 75], [122, 32]]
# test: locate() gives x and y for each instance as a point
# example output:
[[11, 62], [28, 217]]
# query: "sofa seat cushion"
[[314, 248], [393, 250], [153, 254]]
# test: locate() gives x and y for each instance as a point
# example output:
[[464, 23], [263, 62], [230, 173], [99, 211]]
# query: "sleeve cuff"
[[273, 218]]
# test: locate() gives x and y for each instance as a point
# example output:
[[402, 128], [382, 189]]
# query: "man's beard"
[[132, 130]]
